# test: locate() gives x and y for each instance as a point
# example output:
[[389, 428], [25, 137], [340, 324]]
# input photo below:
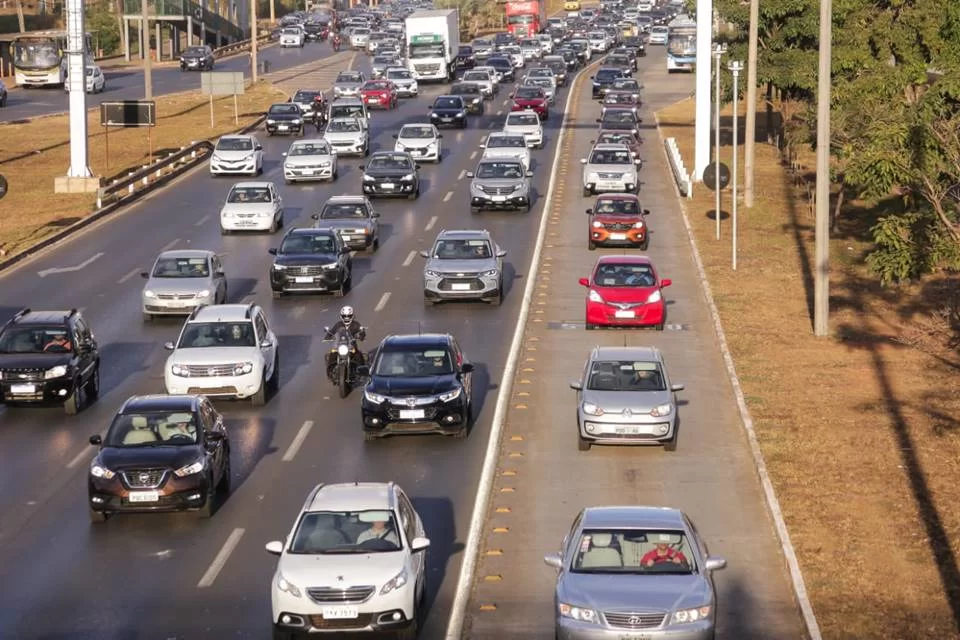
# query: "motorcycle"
[[319, 112], [345, 372], [324, 34], [336, 43]]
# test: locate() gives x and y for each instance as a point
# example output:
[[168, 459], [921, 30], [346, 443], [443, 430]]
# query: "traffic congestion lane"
[[126, 83], [440, 473], [711, 476]]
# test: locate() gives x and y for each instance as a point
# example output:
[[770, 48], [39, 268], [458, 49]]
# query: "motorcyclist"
[[336, 41], [319, 112], [356, 332]]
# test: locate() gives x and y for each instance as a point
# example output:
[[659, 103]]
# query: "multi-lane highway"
[[126, 83], [138, 576]]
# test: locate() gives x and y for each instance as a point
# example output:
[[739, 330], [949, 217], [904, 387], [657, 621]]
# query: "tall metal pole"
[[718, 51], [821, 280], [76, 83], [147, 63], [750, 134], [273, 11], [735, 67], [701, 156], [253, 40]]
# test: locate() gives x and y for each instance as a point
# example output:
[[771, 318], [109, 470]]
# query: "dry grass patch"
[[33, 154], [861, 431]]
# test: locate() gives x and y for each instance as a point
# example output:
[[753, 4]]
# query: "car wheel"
[[591, 245], [414, 195], [72, 404], [277, 294], [583, 444], [224, 232], [342, 290], [376, 243], [207, 508], [274, 382], [589, 326], [671, 445], [227, 477], [259, 399], [369, 437], [148, 317], [498, 301], [92, 389], [660, 326], [274, 225], [644, 244], [474, 209], [288, 181], [97, 517], [586, 192]]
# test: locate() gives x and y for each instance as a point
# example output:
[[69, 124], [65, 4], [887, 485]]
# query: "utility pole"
[[20, 20], [147, 62], [821, 281], [718, 51], [273, 11], [704, 53], [735, 67], [253, 40], [750, 135]]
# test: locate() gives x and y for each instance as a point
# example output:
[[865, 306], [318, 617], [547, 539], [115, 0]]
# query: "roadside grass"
[[34, 153], [860, 431]]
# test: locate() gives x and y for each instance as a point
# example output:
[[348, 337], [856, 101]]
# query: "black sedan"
[[466, 57], [472, 96], [605, 78], [311, 260], [417, 384], [285, 118], [449, 111], [391, 173], [197, 59], [504, 67]]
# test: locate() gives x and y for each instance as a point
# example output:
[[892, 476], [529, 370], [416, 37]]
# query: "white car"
[[527, 124], [599, 41], [347, 136], [421, 141], [180, 281], [406, 84], [495, 75], [514, 54], [292, 37], [95, 82], [531, 49], [237, 154], [224, 350], [658, 35], [359, 37], [310, 160], [546, 43], [354, 560], [252, 206], [484, 79], [507, 145]]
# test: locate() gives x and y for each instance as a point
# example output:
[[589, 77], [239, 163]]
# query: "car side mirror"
[[363, 370], [441, 137], [715, 563], [258, 147], [168, 346], [96, 440], [553, 560], [589, 212], [396, 137], [416, 166], [576, 385], [274, 547], [419, 544], [646, 212], [482, 145], [219, 274], [145, 275], [315, 216], [469, 174], [501, 253], [362, 167], [676, 387], [214, 436], [424, 254], [272, 251], [466, 367], [284, 154], [591, 77], [344, 250], [584, 282], [666, 282], [266, 344], [374, 215], [599, 120], [637, 161]]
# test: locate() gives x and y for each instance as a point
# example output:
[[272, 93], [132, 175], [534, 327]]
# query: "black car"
[[466, 58], [49, 357], [621, 61], [197, 59], [391, 173], [354, 218], [503, 40], [604, 79], [619, 119], [311, 30], [449, 111], [570, 57], [311, 260], [504, 67], [308, 100], [417, 384], [559, 68], [637, 43], [161, 453], [472, 96], [582, 49], [285, 117]]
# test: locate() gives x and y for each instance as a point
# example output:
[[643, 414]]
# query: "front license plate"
[[303, 279], [144, 496], [611, 185], [308, 172], [345, 238], [635, 636], [460, 287], [23, 388], [499, 198], [618, 236], [414, 153], [446, 119], [411, 414], [387, 185], [340, 613], [629, 431], [625, 314], [282, 127]]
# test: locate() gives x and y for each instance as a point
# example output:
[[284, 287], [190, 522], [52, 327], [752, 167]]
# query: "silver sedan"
[[180, 281]]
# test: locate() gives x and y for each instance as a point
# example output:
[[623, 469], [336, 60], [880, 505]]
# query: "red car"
[[380, 93], [625, 291], [617, 220], [533, 98]]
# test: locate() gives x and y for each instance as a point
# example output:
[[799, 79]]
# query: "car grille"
[[360, 622], [310, 270], [634, 620], [426, 68], [618, 226], [496, 191], [331, 595], [626, 305], [144, 478], [345, 144], [209, 370], [176, 296], [16, 375], [213, 391], [429, 413], [609, 176], [446, 284]]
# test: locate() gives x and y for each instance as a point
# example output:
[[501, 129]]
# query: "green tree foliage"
[[477, 17], [102, 23]]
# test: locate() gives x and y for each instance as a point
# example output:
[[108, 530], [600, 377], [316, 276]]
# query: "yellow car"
[[571, 5]]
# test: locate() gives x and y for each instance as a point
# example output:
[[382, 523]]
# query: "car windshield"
[[448, 103], [383, 61], [235, 144], [500, 63], [284, 109], [418, 132], [249, 195], [540, 73], [475, 76], [503, 142], [618, 60], [390, 163], [465, 89], [529, 93], [347, 111], [545, 83], [465, 51], [152, 429], [309, 149], [399, 74], [376, 85], [306, 96], [413, 361], [611, 156], [349, 76], [530, 43], [626, 375], [299, 243], [624, 275], [195, 51], [462, 250], [36, 339], [500, 170], [291, 31], [343, 210], [182, 268], [345, 125], [333, 532], [617, 206], [197, 335], [619, 97], [607, 75], [522, 120], [636, 551], [620, 116], [626, 84]]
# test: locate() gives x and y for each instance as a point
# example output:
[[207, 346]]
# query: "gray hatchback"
[[463, 265]]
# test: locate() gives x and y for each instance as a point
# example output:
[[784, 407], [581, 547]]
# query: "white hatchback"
[[527, 124]]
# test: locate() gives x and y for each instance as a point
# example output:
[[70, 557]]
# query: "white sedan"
[[252, 206], [421, 141]]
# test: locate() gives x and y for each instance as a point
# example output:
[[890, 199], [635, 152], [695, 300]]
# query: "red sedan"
[[625, 291], [617, 220], [380, 93], [533, 98]]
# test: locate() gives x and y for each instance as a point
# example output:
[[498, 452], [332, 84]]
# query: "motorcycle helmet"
[[346, 315]]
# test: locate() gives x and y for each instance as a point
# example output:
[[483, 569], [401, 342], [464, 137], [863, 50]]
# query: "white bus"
[[682, 47], [40, 59]]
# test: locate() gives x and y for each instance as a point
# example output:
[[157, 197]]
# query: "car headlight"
[[190, 469], [180, 370], [100, 471], [430, 273], [55, 372], [690, 615], [331, 266], [395, 583], [295, 121], [460, 114], [147, 293], [476, 101], [325, 163], [271, 121], [375, 398], [492, 273], [638, 225], [581, 614], [597, 224], [204, 294], [242, 367], [656, 296], [592, 177], [279, 267], [662, 411], [450, 395], [592, 409], [407, 177], [343, 349], [284, 585], [367, 178], [593, 296]]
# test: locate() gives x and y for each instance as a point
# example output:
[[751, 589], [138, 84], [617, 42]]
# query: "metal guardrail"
[[680, 174], [150, 174], [239, 45]]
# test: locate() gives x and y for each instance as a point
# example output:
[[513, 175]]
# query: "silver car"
[[507, 145], [354, 218], [500, 184], [548, 84], [406, 84], [308, 160], [626, 572], [527, 124], [180, 281], [531, 49], [421, 141], [486, 81], [347, 136], [381, 63], [463, 265], [359, 37], [348, 83], [610, 168]]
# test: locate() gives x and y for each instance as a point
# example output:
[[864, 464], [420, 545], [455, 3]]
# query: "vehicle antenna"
[[419, 328]]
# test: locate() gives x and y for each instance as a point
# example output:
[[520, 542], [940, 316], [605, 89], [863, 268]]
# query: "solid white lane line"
[[218, 562], [383, 302], [410, 257], [80, 457], [202, 221], [298, 441], [473, 155], [463, 172], [169, 245], [129, 275], [447, 197], [430, 224]]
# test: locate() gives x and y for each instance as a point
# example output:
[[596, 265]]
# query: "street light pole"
[[735, 67], [147, 63], [718, 51], [750, 134], [253, 41], [821, 280]]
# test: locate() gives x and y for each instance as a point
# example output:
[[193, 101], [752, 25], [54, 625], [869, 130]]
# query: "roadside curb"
[[760, 465]]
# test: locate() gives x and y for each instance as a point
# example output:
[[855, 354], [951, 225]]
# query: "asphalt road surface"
[[126, 83], [137, 576]]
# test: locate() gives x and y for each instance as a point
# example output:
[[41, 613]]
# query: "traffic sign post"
[[223, 83], [126, 114]]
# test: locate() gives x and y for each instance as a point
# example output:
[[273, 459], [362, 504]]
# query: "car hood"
[[465, 267], [120, 458], [304, 259], [306, 571], [403, 81], [352, 86], [494, 182], [611, 218], [178, 285], [629, 295], [609, 168], [298, 161], [247, 207], [343, 136], [506, 152], [617, 126], [446, 111], [193, 57], [412, 386], [636, 401], [33, 360], [417, 143], [529, 102], [233, 155], [629, 593], [344, 223], [375, 92], [522, 128], [212, 355], [387, 173], [479, 82]]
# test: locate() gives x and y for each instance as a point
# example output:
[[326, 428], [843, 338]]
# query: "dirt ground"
[[34, 153], [861, 431]]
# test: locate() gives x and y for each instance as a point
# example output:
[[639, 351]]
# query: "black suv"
[[311, 260], [49, 357], [504, 67], [391, 174], [449, 111], [605, 78], [466, 58], [161, 453], [197, 59], [285, 117], [418, 384]]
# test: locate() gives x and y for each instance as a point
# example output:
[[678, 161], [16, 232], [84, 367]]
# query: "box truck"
[[433, 41]]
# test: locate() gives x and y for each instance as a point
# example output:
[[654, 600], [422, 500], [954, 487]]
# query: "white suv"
[[355, 560], [224, 350]]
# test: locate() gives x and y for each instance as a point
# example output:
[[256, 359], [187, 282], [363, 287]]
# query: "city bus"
[[40, 58], [682, 47]]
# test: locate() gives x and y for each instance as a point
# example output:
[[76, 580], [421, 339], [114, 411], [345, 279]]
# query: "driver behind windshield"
[[380, 528], [58, 343]]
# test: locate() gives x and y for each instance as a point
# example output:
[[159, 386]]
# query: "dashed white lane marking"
[[202, 221], [298, 441], [473, 155], [500, 112], [129, 275], [430, 224], [297, 312], [221, 559], [410, 257], [447, 197], [80, 457], [169, 245], [493, 125], [463, 172], [383, 302]]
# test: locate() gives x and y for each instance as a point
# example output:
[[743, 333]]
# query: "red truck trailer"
[[526, 18]]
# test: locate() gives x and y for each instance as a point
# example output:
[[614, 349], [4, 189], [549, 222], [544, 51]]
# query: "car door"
[[413, 528], [219, 278], [343, 257], [277, 202], [460, 358], [215, 450], [86, 348], [266, 336]]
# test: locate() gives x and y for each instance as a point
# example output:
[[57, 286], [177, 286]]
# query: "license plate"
[[303, 279], [625, 314], [388, 185], [460, 287], [340, 613], [345, 238], [23, 388], [308, 172], [446, 119], [415, 153], [629, 431], [635, 636], [181, 304], [610, 185], [618, 236], [144, 496], [411, 414], [282, 127], [499, 198]]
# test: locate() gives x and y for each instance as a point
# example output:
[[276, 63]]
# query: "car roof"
[[618, 196], [299, 143], [52, 316], [626, 353], [418, 339], [610, 146], [252, 184], [221, 313], [624, 259], [186, 253], [311, 231], [359, 496], [347, 200], [159, 402], [524, 112], [463, 234], [632, 516], [237, 136]]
